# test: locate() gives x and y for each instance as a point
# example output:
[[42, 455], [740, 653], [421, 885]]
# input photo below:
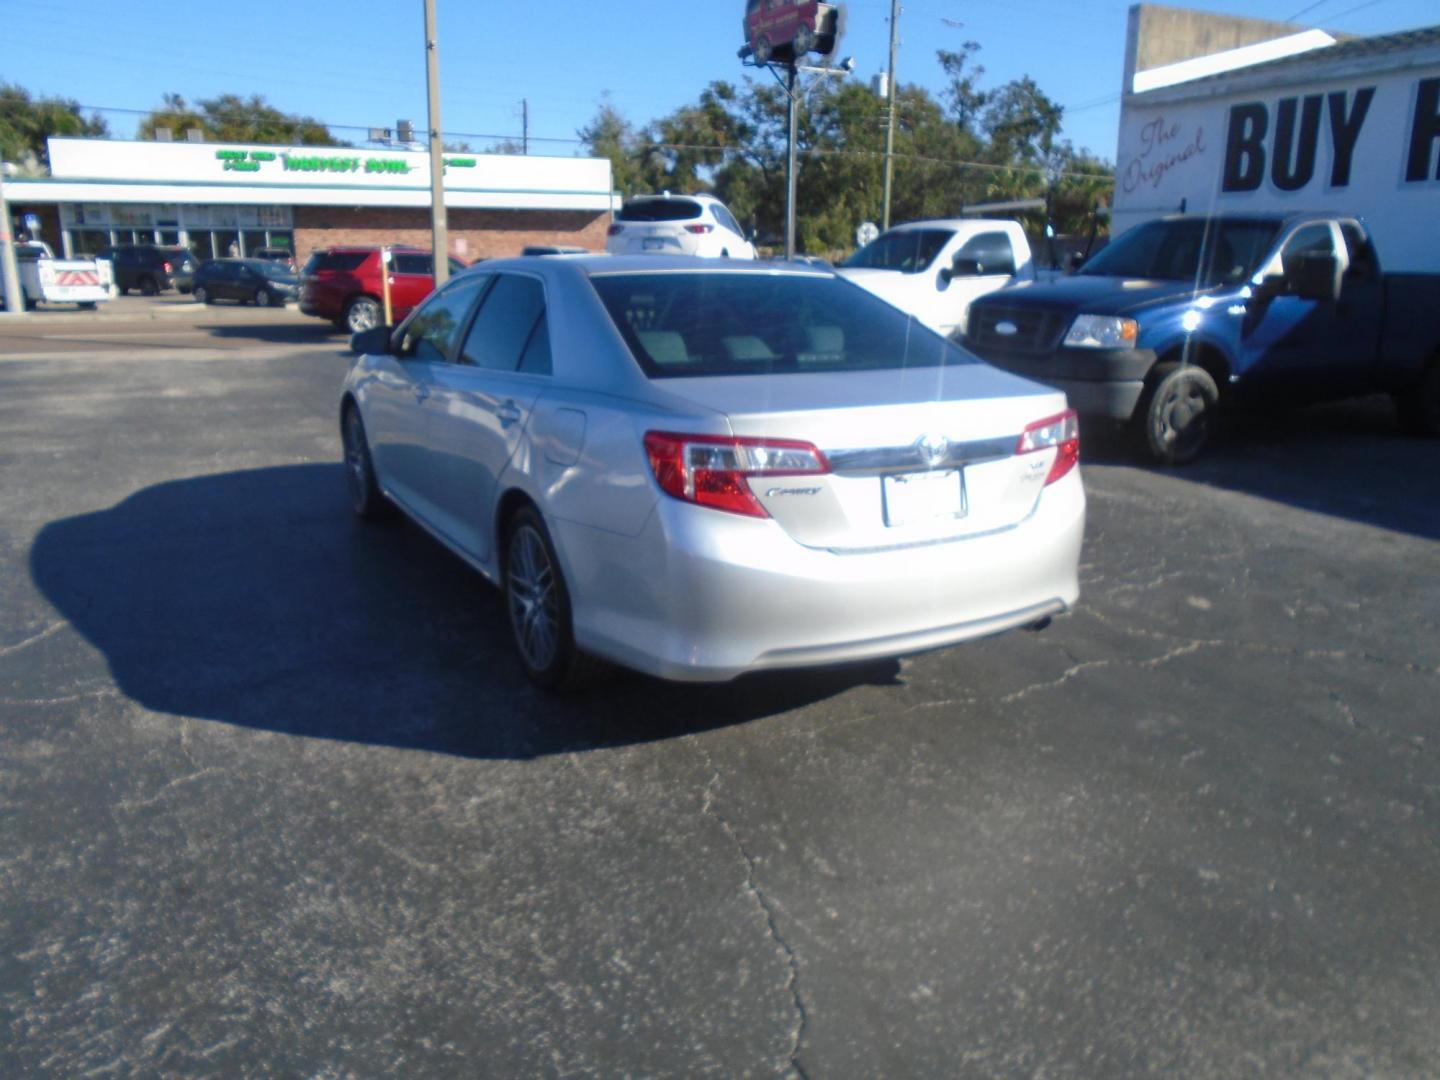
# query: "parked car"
[[151, 268], [698, 468], [282, 255], [555, 249], [784, 30], [43, 277], [246, 281], [678, 225], [936, 269], [342, 284], [1181, 314]]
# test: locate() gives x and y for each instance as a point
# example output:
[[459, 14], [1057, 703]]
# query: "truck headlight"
[[1102, 332]]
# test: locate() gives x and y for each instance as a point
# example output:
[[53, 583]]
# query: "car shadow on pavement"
[[1347, 459], [317, 333], [256, 598]]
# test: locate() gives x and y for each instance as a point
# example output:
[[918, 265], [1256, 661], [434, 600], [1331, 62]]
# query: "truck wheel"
[[804, 42], [763, 51], [1176, 416], [86, 305], [149, 286], [1419, 407]]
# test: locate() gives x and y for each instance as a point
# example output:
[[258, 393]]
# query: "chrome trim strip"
[[878, 460]]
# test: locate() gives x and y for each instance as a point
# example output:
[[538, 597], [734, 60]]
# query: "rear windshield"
[[660, 210], [342, 262], [907, 250], [725, 323], [273, 270], [1213, 251]]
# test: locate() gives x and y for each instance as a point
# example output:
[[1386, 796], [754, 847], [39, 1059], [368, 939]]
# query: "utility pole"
[[439, 234], [14, 297], [890, 108], [790, 177], [525, 122]]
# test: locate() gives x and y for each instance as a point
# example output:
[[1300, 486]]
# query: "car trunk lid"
[[919, 455]]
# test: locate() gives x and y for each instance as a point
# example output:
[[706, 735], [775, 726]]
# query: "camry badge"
[[1006, 328], [932, 449]]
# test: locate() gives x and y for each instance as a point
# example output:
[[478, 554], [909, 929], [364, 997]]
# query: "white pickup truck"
[[86, 282], [935, 270]]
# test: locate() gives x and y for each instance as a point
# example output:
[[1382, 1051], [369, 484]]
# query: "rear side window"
[[744, 323], [505, 326], [992, 251], [660, 210], [336, 262], [726, 219]]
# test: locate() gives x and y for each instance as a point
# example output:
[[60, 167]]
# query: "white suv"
[[678, 225]]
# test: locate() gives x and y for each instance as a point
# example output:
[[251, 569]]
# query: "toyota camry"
[[699, 468]]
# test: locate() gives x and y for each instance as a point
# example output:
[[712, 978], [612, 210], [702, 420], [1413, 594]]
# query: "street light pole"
[[890, 108], [10, 270], [439, 233]]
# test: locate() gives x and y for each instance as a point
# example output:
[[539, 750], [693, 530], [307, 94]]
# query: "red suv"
[[342, 284]]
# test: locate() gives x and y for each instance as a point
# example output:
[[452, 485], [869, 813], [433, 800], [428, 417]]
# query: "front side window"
[[409, 262], [506, 324], [756, 323], [432, 331], [992, 251], [908, 250]]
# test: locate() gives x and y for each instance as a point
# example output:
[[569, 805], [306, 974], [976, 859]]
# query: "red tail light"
[[711, 470], [699, 230], [616, 230], [1062, 432], [166, 267]]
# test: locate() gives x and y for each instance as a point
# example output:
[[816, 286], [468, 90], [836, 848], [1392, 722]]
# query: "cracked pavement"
[[277, 801]]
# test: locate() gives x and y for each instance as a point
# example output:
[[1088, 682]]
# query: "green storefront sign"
[[251, 161]]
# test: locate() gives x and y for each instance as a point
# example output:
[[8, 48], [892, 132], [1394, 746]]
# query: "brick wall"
[[474, 234]]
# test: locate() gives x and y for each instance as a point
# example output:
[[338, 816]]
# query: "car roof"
[[594, 265]]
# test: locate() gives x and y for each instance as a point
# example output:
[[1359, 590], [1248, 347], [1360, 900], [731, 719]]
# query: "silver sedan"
[[699, 468]]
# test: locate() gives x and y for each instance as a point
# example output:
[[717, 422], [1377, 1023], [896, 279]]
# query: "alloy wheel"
[[534, 610]]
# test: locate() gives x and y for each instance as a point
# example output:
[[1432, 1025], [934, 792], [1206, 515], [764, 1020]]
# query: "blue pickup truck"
[[1179, 315]]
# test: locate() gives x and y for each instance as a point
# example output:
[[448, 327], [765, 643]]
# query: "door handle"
[[508, 414], [421, 392]]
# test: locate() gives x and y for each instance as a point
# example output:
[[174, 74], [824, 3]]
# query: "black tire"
[[763, 51], [537, 603], [362, 313], [1177, 414], [86, 305], [149, 287], [365, 496], [262, 298], [202, 294], [1419, 406]]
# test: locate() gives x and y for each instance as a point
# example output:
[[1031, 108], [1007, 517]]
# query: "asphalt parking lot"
[[277, 800]]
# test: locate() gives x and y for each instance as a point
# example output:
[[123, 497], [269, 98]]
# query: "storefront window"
[[86, 242], [227, 243], [253, 239], [201, 245], [167, 236]]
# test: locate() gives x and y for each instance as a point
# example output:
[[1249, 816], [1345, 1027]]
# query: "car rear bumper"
[[707, 596], [1097, 382]]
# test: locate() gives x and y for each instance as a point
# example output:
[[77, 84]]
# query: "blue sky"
[[362, 63]]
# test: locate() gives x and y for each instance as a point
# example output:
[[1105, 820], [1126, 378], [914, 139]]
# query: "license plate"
[[653, 245], [924, 496]]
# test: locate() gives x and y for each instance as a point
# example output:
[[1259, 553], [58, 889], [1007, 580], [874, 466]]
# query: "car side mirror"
[[961, 268], [1313, 275], [375, 341], [1076, 260]]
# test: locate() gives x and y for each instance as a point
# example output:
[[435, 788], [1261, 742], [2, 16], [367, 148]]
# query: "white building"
[[212, 195], [1225, 115]]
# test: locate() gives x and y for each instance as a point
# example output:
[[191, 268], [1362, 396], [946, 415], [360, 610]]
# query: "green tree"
[[26, 122], [231, 118]]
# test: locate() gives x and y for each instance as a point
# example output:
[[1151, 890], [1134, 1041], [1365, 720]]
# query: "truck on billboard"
[[784, 31]]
